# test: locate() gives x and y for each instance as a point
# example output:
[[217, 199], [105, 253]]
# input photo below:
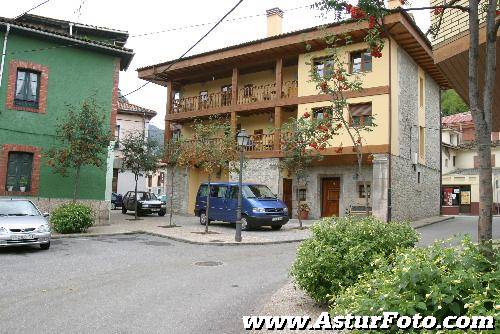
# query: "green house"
[[47, 64]]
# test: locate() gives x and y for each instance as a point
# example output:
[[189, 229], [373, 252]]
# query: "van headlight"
[[3, 230], [258, 210], [43, 228], [285, 209]]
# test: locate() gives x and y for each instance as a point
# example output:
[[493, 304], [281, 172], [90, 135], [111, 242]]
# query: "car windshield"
[[146, 196], [18, 208], [257, 191]]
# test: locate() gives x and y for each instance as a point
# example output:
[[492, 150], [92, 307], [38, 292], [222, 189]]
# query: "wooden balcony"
[[247, 95]]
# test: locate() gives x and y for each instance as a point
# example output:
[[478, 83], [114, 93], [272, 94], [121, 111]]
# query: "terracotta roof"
[[464, 117], [129, 108]]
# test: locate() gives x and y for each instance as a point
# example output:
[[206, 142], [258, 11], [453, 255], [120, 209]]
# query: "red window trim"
[[44, 81], [35, 174]]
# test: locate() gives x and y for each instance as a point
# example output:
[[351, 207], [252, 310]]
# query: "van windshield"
[[257, 191]]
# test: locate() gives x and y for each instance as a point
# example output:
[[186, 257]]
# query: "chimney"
[[274, 22], [393, 4]]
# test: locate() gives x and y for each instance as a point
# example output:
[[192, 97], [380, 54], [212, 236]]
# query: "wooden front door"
[[287, 195], [330, 192]]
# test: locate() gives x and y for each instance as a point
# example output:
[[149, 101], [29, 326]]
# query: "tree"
[[374, 11], [303, 139], [452, 103], [172, 158], [84, 138], [141, 156], [213, 149]]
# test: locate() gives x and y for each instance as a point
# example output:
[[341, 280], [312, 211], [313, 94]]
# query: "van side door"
[[218, 202], [232, 203]]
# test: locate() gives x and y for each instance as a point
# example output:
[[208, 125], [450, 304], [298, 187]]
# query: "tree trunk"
[[482, 116], [171, 195], [298, 203], [208, 205], [77, 184], [136, 214]]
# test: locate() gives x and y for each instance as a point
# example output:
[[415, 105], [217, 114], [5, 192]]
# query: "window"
[[302, 194], [361, 114], [319, 113], [361, 61], [176, 134], [203, 96], [150, 181], [248, 90], [419, 177], [117, 136], [160, 179], [496, 184], [421, 142], [454, 161], [446, 162], [361, 190], [323, 67], [19, 167], [421, 92], [226, 95], [27, 88], [476, 161]]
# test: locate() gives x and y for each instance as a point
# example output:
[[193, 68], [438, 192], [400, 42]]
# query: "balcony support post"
[[279, 78], [278, 120], [234, 122], [170, 104], [234, 86]]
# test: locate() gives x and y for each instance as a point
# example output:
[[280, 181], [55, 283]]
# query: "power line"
[[192, 47], [32, 8], [153, 32]]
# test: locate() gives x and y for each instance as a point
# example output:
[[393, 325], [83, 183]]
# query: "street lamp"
[[242, 139]]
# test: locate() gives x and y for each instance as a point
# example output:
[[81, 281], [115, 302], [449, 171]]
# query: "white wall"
[[126, 182]]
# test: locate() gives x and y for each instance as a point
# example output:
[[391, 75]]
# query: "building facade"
[[131, 119], [262, 84], [460, 180], [47, 65]]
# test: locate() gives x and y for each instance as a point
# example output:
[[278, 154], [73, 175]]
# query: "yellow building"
[[263, 83]]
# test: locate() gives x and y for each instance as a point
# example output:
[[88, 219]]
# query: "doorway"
[[330, 193], [287, 195]]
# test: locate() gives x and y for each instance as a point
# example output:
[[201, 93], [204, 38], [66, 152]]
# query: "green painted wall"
[[74, 74]]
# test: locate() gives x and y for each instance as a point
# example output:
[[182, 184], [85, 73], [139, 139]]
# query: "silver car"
[[22, 223]]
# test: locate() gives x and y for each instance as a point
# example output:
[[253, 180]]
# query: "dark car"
[[116, 201], [260, 207], [147, 203]]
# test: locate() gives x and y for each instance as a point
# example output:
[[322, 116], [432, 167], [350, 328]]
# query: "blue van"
[[260, 207]]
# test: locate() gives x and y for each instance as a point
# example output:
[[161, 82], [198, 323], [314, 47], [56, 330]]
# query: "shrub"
[[437, 280], [72, 218], [342, 249]]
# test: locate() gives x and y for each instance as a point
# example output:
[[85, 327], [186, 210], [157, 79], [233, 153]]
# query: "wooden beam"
[[234, 122], [169, 111], [234, 86], [278, 120], [279, 77]]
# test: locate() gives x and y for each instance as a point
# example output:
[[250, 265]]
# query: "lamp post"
[[242, 138]]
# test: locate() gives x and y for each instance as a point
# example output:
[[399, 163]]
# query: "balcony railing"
[[260, 143], [246, 95]]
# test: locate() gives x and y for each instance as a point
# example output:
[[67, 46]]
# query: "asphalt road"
[[458, 226], [143, 284], [136, 284]]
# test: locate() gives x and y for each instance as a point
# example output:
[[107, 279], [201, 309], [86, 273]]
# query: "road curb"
[[432, 222], [232, 243]]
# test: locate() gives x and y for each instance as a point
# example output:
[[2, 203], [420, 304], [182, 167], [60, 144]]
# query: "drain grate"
[[208, 263]]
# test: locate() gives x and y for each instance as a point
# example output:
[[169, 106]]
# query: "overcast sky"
[[138, 17]]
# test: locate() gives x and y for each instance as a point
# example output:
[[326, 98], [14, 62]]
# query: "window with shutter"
[[27, 88], [361, 61], [19, 169], [361, 114]]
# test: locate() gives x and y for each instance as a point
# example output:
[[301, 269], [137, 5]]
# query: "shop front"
[[456, 200]]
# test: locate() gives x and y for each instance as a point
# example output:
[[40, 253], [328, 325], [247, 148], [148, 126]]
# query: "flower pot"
[[304, 215], [22, 188], [10, 188]]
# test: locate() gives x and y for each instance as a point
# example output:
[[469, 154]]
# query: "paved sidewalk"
[[189, 230]]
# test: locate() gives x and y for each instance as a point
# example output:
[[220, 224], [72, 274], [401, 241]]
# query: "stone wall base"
[[101, 209]]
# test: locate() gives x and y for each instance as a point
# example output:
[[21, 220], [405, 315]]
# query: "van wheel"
[[203, 218], [124, 210], [244, 224], [162, 213]]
